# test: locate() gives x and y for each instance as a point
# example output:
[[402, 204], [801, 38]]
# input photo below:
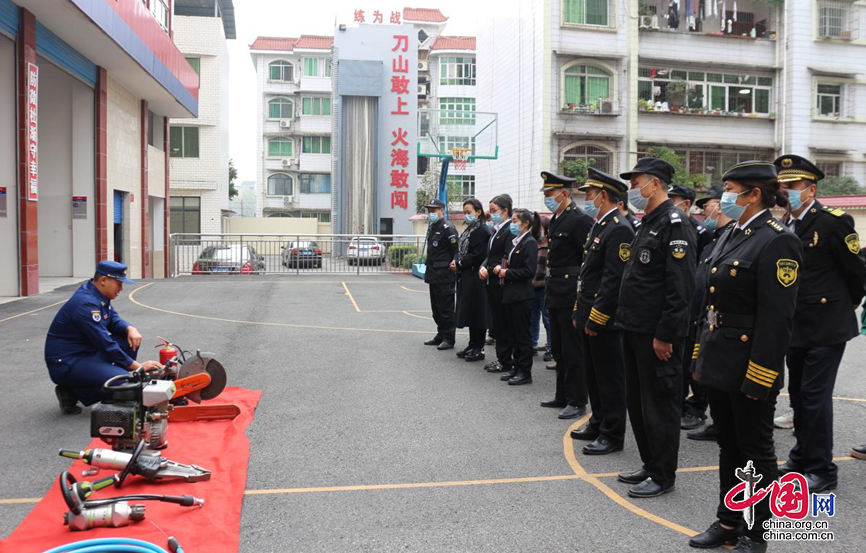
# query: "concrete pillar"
[[167, 205], [146, 269], [27, 210], [102, 165]]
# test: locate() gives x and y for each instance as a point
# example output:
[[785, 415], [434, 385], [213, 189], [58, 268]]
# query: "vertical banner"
[[32, 132]]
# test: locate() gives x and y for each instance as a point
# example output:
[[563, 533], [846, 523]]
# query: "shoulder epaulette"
[[775, 225], [833, 211], [616, 219], [675, 217]]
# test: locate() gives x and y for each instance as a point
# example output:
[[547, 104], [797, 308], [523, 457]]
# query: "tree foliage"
[[428, 189], [696, 181], [576, 168], [233, 175], [839, 186]]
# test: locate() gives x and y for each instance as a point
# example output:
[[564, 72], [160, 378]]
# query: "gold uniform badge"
[[786, 271], [624, 252], [787, 162], [853, 243]]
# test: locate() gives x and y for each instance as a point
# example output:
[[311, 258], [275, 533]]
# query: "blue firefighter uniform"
[[87, 341]]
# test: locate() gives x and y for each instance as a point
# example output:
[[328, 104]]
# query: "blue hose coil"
[[111, 545]]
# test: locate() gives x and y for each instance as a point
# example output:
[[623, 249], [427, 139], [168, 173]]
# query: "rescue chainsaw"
[[144, 402]]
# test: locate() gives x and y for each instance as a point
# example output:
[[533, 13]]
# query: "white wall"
[[124, 169], [9, 267]]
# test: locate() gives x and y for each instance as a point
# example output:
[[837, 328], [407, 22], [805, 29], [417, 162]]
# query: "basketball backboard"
[[440, 131]]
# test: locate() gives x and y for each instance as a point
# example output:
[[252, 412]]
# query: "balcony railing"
[[609, 108], [750, 19]]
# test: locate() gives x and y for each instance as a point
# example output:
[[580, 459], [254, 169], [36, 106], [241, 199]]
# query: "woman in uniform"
[[750, 293], [498, 247], [471, 294], [516, 275]]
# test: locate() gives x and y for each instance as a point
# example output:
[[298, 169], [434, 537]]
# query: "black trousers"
[[476, 337], [605, 382], [442, 304], [567, 349], [745, 428], [518, 316], [497, 320], [696, 403], [811, 378], [654, 398]]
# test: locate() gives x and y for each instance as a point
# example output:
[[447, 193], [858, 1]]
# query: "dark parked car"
[[229, 258], [304, 253]]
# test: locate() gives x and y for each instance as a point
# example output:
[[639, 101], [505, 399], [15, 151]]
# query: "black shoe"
[[521, 379], [499, 368], [551, 366], [714, 536], [556, 404], [433, 341], [492, 365], [475, 355], [818, 484], [705, 434], [747, 545], [635, 477], [509, 375], [547, 356], [68, 401], [587, 433], [859, 452], [445, 345], [648, 488], [601, 446], [690, 422], [464, 352], [572, 412], [787, 467]]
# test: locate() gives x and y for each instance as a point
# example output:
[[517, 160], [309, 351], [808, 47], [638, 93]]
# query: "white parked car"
[[365, 249]]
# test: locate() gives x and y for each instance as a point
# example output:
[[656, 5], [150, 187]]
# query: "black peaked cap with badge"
[[792, 168], [435, 204], [610, 184], [652, 166], [751, 170], [682, 192], [553, 181], [714, 193]]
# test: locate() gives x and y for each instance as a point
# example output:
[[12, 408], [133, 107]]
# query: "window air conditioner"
[[285, 124], [422, 90], [288, 200], [645, 21], [422, 65], [287, 162]]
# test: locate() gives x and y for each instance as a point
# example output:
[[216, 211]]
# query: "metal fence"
[[206, 254]]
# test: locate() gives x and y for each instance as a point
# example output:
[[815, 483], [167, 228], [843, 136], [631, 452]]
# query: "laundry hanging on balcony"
[[673, 15]]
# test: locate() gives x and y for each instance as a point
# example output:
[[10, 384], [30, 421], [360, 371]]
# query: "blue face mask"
[[433, 218], [729, 205], [551, 203], [589, 208], [489, 223], [470, 219], [636, 199], [496, 218], [795, 199], [514, 228], [711, 224]]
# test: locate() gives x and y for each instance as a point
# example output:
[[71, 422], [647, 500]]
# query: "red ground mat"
[[219, 446]]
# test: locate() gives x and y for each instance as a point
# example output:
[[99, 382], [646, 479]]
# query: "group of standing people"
[[665, 317]]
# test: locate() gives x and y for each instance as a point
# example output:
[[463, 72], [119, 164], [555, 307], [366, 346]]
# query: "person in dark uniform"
[[569, 228], [717, 223], [516, 275], [833, 280], [441, 248], [472, 310], [683, 198], [657, 288], [627, 213], [498, 247], [607, 249], [751, 283], [89, 343]]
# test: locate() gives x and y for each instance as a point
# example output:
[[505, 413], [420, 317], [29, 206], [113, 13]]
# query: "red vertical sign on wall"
[[32, 132]]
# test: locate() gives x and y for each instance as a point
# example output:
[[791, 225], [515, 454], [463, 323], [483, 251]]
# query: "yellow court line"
[[416, 316], [31, 312], [704, 469], [835, 398], [20, 500], [413, 290], [351, 297]]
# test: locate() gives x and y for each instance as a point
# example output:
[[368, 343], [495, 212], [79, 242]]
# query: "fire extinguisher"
[[168, 352]]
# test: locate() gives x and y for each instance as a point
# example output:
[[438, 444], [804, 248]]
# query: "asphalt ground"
[[366, 440]]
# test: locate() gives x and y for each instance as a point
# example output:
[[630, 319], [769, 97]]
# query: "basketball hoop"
[[459, 157]]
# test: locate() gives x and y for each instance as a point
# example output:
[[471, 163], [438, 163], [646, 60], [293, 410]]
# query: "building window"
[[830, 168], [317, 145], [150, 122], [835, 19], [457, 71], [281, 108], [195, 63], [586, 85], [159, 9], [311, 67], [829, 100], [184, 142], [600, 158], [185, 214], [315, 183], [586, 12], [712, 162], [280, 185], [467, 185], [460, 111], [279, 214], [282, 71], [316, 106], [324, 217], [279, 147], [699, 91]]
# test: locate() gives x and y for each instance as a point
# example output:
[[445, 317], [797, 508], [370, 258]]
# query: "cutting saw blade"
[[205, 362]]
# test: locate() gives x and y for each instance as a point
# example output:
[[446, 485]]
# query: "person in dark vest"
[[472, 309], [569, 228], [607, 251], [653, 311], [441, 248], [498, 247], [750, 282], [516, 275], [832, 288]]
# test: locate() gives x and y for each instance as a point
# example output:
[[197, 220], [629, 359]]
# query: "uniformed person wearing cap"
[[88, 343], [607, 249], [683, 197], [567, 234], [628, 214], [441, 250], [751, 283], [653, 311], [833, 279]]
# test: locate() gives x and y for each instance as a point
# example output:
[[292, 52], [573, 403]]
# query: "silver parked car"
[[229, 258], [365, 249]]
